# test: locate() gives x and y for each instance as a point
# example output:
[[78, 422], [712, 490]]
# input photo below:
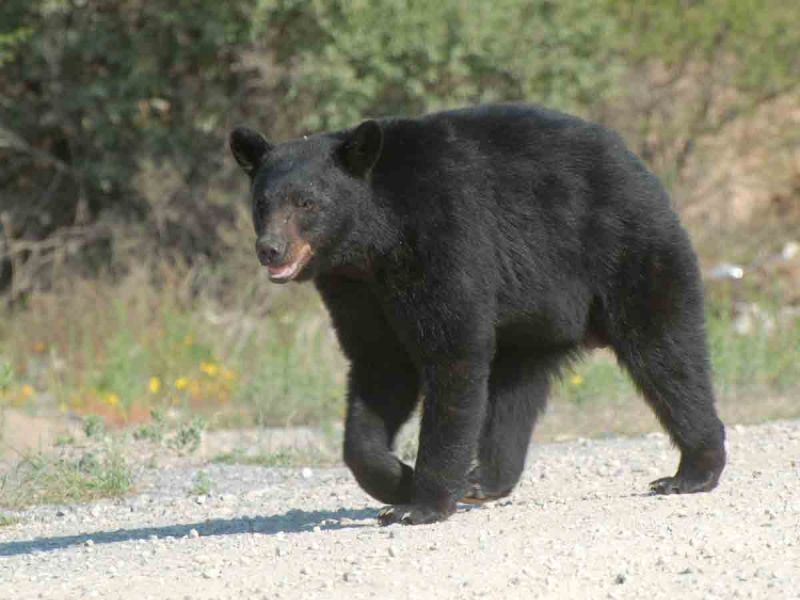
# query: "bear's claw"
[[409, 514]]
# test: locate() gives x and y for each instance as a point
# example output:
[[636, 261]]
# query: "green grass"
[[201, 484], [40, 478], [6, 376], [188, 436], [8, 520], [764, 361], [64, 440], [280, 458], [93, 426], [155, 430], [596, 378]]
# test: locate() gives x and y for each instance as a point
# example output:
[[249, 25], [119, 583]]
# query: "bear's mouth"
[[288, 271]]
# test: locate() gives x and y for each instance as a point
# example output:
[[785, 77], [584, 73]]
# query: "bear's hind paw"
[[681, 485]]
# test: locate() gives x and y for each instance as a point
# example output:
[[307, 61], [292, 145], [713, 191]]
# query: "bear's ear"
[[362, 148], [249, 148]]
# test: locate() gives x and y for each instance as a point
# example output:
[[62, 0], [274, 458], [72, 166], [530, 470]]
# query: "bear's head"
[[307, 196]]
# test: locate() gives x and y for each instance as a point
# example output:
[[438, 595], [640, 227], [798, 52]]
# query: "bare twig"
[[13, 141], [80, 235]]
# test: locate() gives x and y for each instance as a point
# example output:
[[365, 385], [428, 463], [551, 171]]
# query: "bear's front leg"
[[455, 393], [381, 395]]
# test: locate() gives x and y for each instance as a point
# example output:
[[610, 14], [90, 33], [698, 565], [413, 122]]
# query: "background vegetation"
[[129, 289]]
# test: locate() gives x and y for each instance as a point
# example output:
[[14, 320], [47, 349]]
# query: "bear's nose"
[[270, 250]]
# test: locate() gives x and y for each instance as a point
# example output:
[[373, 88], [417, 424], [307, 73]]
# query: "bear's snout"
[[271, 250]]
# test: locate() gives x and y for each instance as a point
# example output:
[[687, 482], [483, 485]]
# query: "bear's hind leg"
[[672, 371], [518, 389]]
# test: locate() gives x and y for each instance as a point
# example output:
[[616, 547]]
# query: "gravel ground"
[[578, 526]]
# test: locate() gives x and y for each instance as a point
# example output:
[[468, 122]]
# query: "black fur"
[[463, 256]]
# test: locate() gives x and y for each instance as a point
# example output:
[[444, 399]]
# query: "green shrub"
[[201, 484], [385, 57], [90, 91]]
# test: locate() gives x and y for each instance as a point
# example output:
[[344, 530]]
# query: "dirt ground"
[[580, 525]]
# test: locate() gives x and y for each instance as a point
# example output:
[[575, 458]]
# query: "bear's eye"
[[303, 203]]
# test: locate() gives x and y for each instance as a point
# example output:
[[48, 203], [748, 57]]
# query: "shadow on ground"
[[293, 521]]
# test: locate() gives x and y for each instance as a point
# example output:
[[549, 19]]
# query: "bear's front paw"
[[410, 514]]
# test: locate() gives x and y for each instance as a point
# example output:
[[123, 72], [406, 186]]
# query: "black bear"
[[463, 256]]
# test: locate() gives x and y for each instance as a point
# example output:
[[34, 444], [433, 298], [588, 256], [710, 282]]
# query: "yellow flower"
[[27, 391], [228, 374], [112, 399], [181, 383], [576, 380], [209, 369], [155, 385], [62, 407]]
